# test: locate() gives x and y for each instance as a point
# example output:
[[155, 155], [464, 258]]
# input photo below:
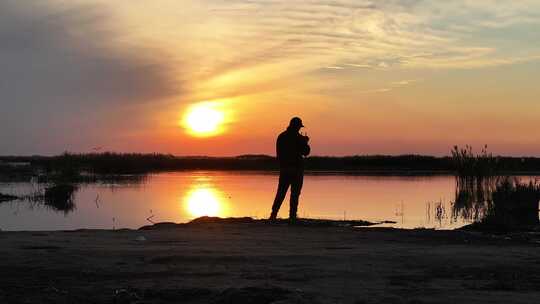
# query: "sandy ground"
[[263, 263]]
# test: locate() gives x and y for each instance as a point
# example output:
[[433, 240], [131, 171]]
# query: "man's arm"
[[305, 149], [278, 147]]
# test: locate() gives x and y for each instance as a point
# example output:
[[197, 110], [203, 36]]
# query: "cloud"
[[68, 55], [387, 33], [383, 90], [393, 86], [65, 61], [355, 65], [406, 82]]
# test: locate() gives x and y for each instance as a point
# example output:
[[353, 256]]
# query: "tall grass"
[[485, 194], [476, 179], [59, 197], [514, 203], [7, 197], [108, 163], [478, 174]]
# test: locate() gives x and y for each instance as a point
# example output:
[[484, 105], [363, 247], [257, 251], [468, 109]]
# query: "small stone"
[[140, 238]]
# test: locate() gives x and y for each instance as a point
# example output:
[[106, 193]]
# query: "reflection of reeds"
[[514, 204], [55, 187], [483, 194], [437, 212], [476, 178], [475, 174], [440, 211], [7, 197], [59, 197], [468, 206]]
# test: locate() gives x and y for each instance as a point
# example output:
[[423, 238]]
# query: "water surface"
[[181, 196]]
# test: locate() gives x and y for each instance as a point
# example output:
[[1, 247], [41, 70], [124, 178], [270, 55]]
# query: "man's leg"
[[283, 186], [296, 187]]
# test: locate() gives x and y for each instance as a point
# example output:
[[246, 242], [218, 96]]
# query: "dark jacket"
[[291, 147]]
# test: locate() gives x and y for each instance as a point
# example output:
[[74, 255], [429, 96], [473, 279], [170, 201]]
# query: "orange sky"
[[384, 77]]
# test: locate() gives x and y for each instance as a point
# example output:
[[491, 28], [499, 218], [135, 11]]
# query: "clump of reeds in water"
[[514, 204], [436, 211], [7, 197], [56, 183], [476, 178], [476, 175], [484, 194], [59, 197]]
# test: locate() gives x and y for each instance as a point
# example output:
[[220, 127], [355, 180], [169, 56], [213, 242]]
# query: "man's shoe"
[[272, 219], [293, 220]]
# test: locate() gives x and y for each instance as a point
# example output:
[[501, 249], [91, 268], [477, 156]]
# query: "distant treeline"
[[121, 163]]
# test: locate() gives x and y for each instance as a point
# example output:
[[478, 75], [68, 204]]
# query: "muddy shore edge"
[[249, 261]]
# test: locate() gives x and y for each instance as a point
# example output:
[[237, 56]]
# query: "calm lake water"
[[181, 196]]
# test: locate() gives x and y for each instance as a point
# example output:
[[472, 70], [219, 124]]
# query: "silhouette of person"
[[291, 147]]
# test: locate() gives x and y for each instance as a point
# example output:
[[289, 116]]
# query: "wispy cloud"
[[336, 32], [355, 65], [406, 82], [393, 86], [381, 90]]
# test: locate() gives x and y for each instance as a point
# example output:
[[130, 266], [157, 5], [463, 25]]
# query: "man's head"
[[296, 124]]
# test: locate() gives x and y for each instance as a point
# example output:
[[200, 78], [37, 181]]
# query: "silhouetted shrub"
[[61, 197], [514, 204], [7, 197], [476, 178], [74, 167], [484, 194]]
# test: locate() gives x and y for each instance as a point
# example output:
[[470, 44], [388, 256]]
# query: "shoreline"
[[245, 261], [209, 220]]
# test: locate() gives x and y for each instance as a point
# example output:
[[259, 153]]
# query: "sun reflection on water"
[[204, 200]]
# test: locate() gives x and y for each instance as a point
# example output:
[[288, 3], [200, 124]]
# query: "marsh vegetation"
[[107, 164], [481, 182], [485, 193]]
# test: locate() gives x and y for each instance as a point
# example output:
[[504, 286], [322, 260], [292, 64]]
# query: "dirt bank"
[[255, 262]]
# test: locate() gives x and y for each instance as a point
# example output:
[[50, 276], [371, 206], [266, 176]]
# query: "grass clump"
[[477, 177], [490, 198], [7, 197], [59, 197], [514, 204]]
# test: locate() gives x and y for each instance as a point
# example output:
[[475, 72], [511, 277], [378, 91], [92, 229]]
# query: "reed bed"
[[514, 203], [59, 197], [486, 195]]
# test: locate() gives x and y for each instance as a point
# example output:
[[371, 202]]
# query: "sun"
[[204, 119]]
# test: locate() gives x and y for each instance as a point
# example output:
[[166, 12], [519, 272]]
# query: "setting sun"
[[204, 119]]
